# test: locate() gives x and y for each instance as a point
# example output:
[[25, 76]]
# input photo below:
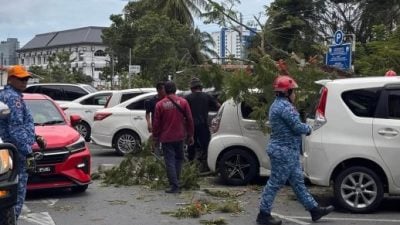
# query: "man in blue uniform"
[[284, 152], [18, 128]]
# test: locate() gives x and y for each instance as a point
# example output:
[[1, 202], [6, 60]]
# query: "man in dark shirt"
[[150, 104], [200, 104]]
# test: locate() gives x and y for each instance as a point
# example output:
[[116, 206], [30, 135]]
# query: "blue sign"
[[339, 56], [338, 37]]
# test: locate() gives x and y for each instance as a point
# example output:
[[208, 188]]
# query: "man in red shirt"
[[172, 124]]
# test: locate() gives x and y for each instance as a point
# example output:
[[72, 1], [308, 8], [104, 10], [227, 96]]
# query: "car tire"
[[237, 167], [79, 189], [356, 197], [126, 142], [7, 216], [84, 129]]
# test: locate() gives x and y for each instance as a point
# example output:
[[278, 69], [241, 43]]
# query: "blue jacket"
[[18, 128], [286, 129]]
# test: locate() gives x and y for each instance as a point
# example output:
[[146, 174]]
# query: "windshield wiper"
[[50, 122]]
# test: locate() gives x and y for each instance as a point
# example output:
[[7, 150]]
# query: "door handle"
[[388, 132], [88, 111], [137, 118]]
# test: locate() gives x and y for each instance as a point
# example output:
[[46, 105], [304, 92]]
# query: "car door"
[[89, 106], [138, 117], [386, 131], [254, 136]]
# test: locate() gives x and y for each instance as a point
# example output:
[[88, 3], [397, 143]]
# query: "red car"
[[65, 163]]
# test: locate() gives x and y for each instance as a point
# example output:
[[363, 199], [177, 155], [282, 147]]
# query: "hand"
[[41, 142], [149, 128], [30, 163], [190, 141]]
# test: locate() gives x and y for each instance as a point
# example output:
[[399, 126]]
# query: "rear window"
[[128, 96], [362, 102]]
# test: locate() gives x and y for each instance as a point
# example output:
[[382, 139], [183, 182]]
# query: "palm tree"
[[181, 10], [200, 47]]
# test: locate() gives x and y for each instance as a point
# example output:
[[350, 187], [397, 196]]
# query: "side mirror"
[[75, 119], [9, 161], [4, 110]]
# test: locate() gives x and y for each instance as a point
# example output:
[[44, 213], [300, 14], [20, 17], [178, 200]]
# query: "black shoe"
[[318, 212], [266, 219], [173, 191]]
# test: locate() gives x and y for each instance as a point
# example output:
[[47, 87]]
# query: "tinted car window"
[[394, 104], [72, 92], [127, 96], [361, 102], [100, 99], [53, 92], [138, 105]]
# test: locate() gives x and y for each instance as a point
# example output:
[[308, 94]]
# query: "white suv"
[[355, 144], [237, 146]]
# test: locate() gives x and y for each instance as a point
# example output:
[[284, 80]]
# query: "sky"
[[23, 19]]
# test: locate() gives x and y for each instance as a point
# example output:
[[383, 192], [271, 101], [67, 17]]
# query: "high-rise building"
[[8, 56], [229, 43]]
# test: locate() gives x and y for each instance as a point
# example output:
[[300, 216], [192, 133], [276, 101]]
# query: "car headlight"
[[77, 146], [6, 162]]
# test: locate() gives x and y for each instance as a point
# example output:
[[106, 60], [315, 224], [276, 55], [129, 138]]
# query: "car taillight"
[[101, 116], [320, 119]]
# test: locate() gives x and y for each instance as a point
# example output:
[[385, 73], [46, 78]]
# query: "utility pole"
[[130, 63], [1, 69], [112, 70]]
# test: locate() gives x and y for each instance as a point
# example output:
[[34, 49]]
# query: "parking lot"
[[104, 205]]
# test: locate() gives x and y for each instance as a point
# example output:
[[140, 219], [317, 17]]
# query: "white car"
[[355, 141], [123, 126], [237, 146], [87, 105]]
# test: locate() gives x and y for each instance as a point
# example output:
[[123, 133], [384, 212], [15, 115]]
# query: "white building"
[[229, 44], [85, 45]]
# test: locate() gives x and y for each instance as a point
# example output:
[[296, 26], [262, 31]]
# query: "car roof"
[[36, 96], [361, 80]]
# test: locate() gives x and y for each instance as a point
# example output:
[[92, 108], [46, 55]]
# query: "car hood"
[[57, 136]]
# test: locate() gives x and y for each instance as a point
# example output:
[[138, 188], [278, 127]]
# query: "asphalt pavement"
[[137, 205]]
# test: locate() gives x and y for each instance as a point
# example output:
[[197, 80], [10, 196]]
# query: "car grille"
[[52, 156]]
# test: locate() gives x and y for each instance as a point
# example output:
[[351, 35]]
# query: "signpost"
[[134, 69], [339, 54]]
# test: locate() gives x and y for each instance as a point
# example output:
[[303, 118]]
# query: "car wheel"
[[7, 216], [79, 189], [358, 189], [237, 167], [127, 142], [84, 129]]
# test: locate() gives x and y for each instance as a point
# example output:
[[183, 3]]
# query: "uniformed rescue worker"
[[283, 150], [18, 128]]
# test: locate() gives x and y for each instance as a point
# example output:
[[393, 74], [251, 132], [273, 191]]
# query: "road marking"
[[42, 218], [49, 202], [290, 218], [351, 219]]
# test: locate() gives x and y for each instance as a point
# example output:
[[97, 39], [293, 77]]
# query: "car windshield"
[[44, 112]]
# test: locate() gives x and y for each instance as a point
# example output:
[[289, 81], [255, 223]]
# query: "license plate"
[[45, 169]]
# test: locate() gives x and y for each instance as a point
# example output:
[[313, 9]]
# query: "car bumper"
[[101, 139], [73, 171], [9, 189]]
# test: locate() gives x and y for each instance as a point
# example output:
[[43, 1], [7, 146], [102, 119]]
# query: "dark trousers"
[[202, 138], [173, 157]]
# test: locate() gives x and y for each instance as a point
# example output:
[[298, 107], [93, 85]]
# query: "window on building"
[[99, 53]]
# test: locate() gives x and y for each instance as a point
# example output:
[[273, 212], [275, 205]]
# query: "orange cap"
[[18, 71]]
